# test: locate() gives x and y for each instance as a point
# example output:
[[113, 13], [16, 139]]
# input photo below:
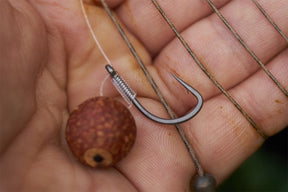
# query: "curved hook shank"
[[177, 120], [126, 91]]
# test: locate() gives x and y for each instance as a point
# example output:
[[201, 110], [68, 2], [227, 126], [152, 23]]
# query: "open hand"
[[49, 64]]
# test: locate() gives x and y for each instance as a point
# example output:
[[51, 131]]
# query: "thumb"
[[19, 66]]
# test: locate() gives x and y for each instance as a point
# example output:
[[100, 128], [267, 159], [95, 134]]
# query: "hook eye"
[[129, 94]]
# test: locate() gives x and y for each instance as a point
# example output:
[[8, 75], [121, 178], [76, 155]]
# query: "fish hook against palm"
[[130, 95]]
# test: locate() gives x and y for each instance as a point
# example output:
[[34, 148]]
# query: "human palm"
[[50, 64]]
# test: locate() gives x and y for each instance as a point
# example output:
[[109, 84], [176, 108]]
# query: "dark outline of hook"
[[128, 93]]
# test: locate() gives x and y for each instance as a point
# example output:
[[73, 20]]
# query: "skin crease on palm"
[[50, 64]]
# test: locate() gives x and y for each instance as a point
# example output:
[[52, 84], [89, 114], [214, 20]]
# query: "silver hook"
[[130, 96]]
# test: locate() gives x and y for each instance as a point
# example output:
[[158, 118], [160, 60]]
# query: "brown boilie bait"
[[100, 132]]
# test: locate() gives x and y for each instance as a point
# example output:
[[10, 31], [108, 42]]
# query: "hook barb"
[[130, 95]]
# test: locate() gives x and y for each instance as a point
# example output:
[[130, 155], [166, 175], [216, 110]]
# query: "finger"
[[144, 21], [223, 138], [19, 66], [220, 52]]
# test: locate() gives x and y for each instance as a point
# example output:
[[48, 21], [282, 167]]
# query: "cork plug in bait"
[[100, 132]]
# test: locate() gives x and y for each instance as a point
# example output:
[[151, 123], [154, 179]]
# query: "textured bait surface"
[[100, 132]]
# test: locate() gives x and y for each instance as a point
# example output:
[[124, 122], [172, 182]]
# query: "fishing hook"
[[130, 96]]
